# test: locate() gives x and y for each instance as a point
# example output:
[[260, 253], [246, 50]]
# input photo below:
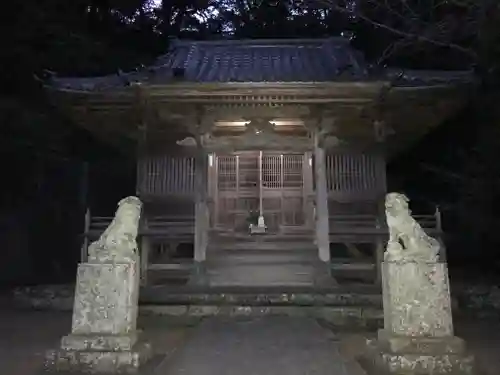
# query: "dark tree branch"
[[417, 30]]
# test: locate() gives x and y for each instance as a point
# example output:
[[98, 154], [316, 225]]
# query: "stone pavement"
[[260, 346], [26, 335]]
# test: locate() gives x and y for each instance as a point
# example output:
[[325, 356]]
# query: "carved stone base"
[[103, 338], [416, 297], [99, 354], [417, 356]]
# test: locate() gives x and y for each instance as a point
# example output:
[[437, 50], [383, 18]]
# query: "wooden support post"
[[379, 258], [308, 191], [83, 203], [379, 254], [322, 216], [145, 248], [439, 228], [201, 207], [437, 214], [85, 242]]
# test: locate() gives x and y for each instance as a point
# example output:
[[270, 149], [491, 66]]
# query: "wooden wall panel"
[[355, 176], [166, 175]]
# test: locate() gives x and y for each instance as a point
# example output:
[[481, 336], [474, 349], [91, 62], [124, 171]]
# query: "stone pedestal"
[[418, 329], [103, 336]]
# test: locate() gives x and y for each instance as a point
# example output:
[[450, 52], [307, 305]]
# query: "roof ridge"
[[258, 42]]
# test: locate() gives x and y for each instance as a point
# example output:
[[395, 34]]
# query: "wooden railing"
[[375, 225], [170, 228], [371, 228]]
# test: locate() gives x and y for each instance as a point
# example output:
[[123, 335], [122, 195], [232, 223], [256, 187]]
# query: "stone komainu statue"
[[407, 239], [118, 243]]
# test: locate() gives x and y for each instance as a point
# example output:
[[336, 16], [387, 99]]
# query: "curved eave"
[[409, 111], [201, 92]]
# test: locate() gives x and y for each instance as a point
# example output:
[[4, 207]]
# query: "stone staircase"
[[349, 308], [352, 307], [266, 261]]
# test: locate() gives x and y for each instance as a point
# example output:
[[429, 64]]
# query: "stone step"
[[368, 296], [348, 307], [354, 317], [242, 282]]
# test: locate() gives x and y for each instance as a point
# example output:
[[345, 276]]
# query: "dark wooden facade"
[[356, 183], [304, 140]]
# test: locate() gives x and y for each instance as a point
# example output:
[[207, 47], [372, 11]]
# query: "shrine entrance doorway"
[[251, 182]]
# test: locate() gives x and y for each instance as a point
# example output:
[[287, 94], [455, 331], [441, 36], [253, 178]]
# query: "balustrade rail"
[[170, 228], [374, 225]]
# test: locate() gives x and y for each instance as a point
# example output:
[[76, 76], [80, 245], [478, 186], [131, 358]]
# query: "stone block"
[[106, 298], [420, 364], [93, 342], [416, 299], [378, 358], [418, 336], [104, 337], [422, 345], [96, 361]]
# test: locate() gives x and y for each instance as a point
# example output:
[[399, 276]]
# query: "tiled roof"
[[256, 60], [265, 60]]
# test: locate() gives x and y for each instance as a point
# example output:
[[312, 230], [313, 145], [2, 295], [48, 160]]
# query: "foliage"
[[442, 33], [455, 168]]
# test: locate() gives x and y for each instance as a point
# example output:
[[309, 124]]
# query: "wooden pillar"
[[85, 242], [83, 203], [201, 206], [308, 191], [145, 249], [380, 133], [439, 228], [379, 253], [261, 208], [211, 189], [322, 216]]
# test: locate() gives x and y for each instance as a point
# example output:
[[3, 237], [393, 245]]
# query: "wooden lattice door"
[[243, 178]]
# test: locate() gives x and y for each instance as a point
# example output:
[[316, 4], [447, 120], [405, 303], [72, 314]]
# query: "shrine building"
[[268, 156]]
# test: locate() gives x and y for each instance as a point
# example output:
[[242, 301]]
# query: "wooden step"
[[261, 275], [296, 245], [269, 252]]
